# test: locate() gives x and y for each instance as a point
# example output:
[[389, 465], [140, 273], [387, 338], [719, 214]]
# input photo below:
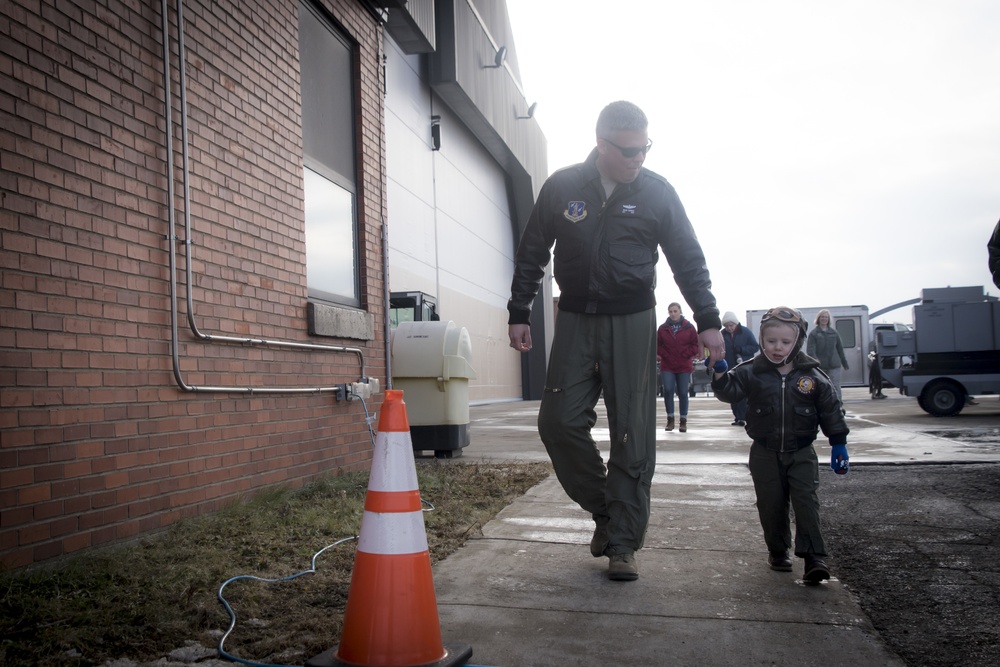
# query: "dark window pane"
[[327, 99], [848, 333]]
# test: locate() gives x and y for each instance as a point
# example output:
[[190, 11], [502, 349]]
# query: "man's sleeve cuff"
[[519, 317], [707, 322]]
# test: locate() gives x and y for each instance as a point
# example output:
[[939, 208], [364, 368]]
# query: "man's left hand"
[[712, 339]]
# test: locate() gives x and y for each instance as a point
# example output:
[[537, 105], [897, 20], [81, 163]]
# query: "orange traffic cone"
[[391, 619]]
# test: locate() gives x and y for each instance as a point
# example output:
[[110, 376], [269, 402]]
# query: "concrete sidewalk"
[[528, 593]]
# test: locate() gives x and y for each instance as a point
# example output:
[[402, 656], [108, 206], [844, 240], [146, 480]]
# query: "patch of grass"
[[141, 601]]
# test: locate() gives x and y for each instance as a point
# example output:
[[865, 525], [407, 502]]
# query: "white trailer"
[[851, 322]]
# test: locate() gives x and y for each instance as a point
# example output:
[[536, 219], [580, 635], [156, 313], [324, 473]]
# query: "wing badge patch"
[[575, 211]]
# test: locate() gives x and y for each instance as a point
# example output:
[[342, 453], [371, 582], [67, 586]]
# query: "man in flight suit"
[[609, 216]]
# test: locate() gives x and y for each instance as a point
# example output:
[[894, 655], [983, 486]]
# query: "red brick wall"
[[97, 440]]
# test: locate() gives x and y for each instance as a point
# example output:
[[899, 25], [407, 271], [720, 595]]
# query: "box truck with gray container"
[[953, 351]]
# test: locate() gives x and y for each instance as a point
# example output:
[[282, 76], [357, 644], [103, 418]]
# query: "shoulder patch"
[[575, 211]]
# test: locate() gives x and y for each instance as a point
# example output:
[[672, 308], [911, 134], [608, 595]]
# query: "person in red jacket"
[[676, 348]]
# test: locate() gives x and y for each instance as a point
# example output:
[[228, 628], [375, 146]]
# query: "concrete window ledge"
[[340, 322]]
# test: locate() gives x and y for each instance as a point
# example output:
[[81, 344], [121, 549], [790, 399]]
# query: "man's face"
[[612, 148], [730, 326]]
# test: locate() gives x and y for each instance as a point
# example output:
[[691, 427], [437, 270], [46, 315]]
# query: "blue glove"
[[720, 366], [839, 460]]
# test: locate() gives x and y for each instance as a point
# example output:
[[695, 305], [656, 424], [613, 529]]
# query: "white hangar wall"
[[449, 221]]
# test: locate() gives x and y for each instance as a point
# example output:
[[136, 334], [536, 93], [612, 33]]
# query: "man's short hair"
[[620, 115]]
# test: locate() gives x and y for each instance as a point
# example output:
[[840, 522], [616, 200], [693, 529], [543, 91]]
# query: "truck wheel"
[[942, 398]]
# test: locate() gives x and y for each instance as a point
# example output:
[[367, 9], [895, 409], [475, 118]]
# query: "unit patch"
[[629, 209], [575, 211], [806, 385]]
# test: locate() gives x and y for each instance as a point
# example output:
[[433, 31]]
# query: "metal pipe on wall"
[[387, 325], [172, 240]]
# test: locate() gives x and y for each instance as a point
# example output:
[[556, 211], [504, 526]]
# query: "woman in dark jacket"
[[676, 348], [740, 346]]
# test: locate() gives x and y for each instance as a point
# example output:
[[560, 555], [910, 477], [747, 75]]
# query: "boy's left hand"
[[839, 460]]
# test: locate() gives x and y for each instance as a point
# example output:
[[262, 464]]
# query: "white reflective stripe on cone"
[[392, 533], [393, 468]]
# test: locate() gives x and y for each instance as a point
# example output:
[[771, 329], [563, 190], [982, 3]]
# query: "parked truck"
[[953, 351]]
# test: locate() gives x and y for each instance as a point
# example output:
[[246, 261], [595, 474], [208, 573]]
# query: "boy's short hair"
[[621, 115]]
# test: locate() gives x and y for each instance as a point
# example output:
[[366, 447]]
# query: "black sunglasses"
[[782, 314], [632, 151]]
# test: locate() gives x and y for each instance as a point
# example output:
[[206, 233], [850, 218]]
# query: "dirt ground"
[[919, 547]]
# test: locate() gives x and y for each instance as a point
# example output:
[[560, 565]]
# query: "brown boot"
[[670, 424], [684, 425], [622, 567], [599, 542]]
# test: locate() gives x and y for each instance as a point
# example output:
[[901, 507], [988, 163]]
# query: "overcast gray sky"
[[828, 153]]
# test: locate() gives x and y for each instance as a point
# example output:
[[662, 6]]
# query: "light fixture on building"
[[499, 60], [531, 112], [435, 133]]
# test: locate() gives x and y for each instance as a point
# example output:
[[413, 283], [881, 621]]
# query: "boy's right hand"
[[720, 366]]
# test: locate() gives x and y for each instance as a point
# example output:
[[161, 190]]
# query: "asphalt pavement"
[[527, 592]]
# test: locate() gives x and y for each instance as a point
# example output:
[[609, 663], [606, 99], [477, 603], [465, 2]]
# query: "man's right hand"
[[520, 336], [712, 339]]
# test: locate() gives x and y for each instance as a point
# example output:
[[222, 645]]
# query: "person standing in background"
[[676, 348], [740, 346], [993, 254], [825, 346]]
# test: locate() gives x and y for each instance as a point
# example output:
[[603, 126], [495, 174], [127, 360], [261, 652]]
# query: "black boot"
[[815, 570]]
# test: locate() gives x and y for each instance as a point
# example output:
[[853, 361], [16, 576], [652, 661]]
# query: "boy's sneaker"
[[622, 567], [599, 542], [815, 570], [779, 561]]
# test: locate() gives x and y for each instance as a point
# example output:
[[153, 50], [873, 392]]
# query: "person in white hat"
[[741, 345]]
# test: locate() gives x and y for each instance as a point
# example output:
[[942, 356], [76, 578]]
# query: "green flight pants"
[[616, 355], [780, 479]]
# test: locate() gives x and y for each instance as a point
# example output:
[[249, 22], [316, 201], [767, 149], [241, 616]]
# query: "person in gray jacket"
[[607, 217], [825, 346]]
